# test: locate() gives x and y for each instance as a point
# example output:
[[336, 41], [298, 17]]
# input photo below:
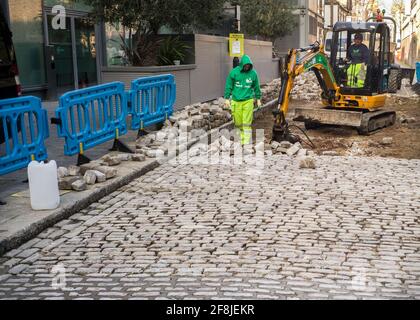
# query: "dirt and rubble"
[[400, 141]]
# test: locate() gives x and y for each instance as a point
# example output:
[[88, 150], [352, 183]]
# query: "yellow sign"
[[236, 45]]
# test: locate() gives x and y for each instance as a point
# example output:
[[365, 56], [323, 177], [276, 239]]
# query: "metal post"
[[74, 52], [238, 17]]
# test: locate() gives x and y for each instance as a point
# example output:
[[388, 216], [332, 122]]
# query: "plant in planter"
[[142, 19], [172, 51]]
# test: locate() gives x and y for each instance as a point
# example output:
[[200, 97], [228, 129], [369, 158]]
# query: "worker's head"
[[246, 64], [247, 67], [358, 38]]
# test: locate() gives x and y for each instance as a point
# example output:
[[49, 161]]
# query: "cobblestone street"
[[347, 230]]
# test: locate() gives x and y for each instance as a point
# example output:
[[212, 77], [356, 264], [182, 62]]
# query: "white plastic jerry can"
[[43, 185]]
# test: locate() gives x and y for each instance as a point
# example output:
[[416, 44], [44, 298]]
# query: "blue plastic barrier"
[[89, 117], [418, 71], [24, 129], [151, 100]]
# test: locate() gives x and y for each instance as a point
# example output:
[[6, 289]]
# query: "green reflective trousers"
[[243, 116]]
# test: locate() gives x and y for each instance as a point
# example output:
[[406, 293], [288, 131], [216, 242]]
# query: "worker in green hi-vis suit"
[[243, 86]]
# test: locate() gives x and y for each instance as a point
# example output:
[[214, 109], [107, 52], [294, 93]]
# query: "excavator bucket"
[[365, 122]]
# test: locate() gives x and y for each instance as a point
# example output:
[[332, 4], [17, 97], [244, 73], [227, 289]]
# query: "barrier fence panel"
[[23, 131], [89, 117], [151, 100]]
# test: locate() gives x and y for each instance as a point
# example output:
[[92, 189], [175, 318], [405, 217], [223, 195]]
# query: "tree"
[[144, 18], [269, 19], [398, 12]]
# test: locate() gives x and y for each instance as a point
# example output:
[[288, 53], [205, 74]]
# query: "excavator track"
[[375, 121]]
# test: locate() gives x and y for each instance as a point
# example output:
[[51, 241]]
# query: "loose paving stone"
[[125, 157], [74, 171], [90, 166], [62, 172], [90, 177], [79, 185], [307, 163], [112, 160], [330, 153], [66, 183], [387, 141], [236, 231], [100, 177], [294, 149], [107, 171], [138, 157]]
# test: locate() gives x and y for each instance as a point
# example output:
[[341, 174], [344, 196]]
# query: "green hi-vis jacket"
[[241, 85]]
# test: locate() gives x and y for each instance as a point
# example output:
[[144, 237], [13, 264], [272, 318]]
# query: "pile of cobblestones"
[[271, 91], [306, 88], [79, 178], [305, 157], [194, 121]]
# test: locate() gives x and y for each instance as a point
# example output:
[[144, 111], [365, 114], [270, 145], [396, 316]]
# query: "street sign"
[[236, 45]]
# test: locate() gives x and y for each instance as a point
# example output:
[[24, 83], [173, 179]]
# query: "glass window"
[[114, 45], [342, 45], [26, 25]]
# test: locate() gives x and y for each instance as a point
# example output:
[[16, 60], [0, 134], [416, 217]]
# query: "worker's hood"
[[246, 60]]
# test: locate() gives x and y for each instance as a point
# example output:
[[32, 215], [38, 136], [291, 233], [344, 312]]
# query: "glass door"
[[61, 40], [74, 53], [86, 53]]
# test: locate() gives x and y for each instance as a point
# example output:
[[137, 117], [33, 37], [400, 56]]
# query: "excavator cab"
[[361, 68]]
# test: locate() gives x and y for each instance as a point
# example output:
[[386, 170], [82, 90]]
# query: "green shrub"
[[171, 49]]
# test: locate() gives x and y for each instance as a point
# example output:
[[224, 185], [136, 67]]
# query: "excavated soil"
[[346, 141]]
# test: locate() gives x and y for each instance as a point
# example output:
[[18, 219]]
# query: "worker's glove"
[[227, 104], [259, 104]]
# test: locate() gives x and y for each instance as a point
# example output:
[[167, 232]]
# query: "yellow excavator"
[[346, 100]]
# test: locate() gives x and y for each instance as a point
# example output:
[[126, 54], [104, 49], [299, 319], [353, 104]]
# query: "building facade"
[[337, 10], [59, 52], [309, 17], [410, 42], [54, 54]]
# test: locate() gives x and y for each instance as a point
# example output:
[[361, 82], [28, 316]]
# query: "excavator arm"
[[297, 62]]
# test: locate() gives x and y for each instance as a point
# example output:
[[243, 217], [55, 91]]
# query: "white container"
[[43, 185]]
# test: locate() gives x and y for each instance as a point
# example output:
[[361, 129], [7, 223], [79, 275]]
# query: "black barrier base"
[[82, 159], [142, 133], [121, 147]]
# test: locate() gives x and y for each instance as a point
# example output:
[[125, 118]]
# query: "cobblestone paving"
[[347, 230]]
